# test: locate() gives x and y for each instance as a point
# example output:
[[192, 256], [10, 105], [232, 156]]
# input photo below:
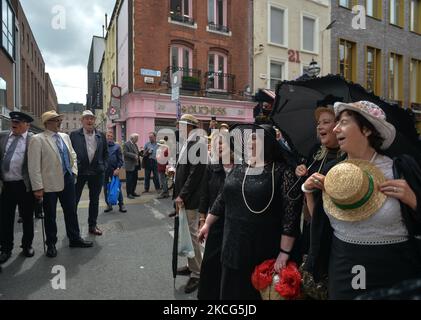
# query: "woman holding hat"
[[367, 216], [261, 222]]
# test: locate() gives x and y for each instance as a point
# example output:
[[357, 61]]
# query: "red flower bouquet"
[[272, 286]]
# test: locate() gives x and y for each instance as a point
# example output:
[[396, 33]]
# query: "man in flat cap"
[[16, 186], [52, 169], [92, 156]]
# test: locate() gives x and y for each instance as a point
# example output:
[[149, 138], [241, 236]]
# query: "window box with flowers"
[[190, 83]]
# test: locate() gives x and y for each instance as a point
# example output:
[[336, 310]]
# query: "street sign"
[[176, 79], [175, 93], [149, 80], [115, 103], [150, 73], [113, 113]]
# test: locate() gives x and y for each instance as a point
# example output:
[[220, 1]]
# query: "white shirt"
[[90, 144], [16, 163]]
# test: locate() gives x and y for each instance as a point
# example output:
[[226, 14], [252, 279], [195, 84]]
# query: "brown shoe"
[[96, 231], [191, 285]]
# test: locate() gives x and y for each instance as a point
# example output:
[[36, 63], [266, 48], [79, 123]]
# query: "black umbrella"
[[295, 102], [175, 248]]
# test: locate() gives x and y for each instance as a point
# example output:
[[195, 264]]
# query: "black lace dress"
[[249, 237]]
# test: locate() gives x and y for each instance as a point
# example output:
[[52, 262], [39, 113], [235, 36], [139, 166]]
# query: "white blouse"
[[385, 226]]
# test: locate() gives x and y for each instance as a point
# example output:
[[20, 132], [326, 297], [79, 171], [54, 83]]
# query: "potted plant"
[[190, 83]]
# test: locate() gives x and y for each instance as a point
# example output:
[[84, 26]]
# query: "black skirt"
[[383, 265]]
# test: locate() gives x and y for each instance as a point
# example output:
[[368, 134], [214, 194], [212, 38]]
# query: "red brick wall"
[[6, 73], [153, 35]]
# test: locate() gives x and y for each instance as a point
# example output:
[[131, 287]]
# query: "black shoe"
[[28, 252], [191, 285], [136, 195], [130, 197], [171, 214], [80, 243], [123, 209], [51, 251], [4, 256], [184, 271], [39, 216], [109, 208], [20, 220]]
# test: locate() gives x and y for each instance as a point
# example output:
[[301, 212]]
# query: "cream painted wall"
[[294, 11]]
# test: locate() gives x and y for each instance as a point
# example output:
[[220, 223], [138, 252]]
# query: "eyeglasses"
[[55, 120]]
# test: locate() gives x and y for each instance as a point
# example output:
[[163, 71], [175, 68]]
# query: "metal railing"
[[181, 18], [190, 78], [216, 27], [220, 82]]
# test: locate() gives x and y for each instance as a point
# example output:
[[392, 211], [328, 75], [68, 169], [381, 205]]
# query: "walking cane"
[[43, 227]]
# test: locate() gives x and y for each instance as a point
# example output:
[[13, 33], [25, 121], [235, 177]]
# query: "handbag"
[[312, 289], [185, 243], [113, 190]]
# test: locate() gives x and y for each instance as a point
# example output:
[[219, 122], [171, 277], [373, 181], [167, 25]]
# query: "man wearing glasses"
[[52, 170], [16, 186]]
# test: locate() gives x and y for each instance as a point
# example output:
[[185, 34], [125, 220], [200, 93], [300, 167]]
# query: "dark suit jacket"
[[188, 180], [4, 137], [100, 159]]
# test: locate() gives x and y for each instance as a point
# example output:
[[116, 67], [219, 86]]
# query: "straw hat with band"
[[189, 120], [352, 190], [162, 143], [375, 115], [49, 115]]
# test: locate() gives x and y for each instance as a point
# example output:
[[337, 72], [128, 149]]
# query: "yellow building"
[[288, 34], [109, 66]]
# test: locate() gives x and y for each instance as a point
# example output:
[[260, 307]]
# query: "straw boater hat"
[[162, 143], [375, 115], [189, 120], [49, 115], [352, 190]]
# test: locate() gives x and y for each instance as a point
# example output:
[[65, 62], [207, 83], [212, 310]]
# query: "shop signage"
[[203, 110], [150, 73]]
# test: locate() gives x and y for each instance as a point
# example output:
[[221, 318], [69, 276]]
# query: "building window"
[[309, 37], [395, 77], [277, 26], [181, 59], [373, 70], [3, 93], [415, 81], [374, 8], [181, 11], [348, 3], [347, 60], [276, 73], [396, 8], [217, 15], [217, 71], [415, 21], [8, 28]]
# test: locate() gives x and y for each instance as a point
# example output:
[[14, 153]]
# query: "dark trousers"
[[14, 194], [95, 183], [151, 167], [131, 181], [67, 199], [108, 177]]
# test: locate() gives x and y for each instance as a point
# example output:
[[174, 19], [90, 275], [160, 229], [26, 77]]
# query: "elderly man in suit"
[[16, 186], [92, 156], [52, 170], [132, 165]]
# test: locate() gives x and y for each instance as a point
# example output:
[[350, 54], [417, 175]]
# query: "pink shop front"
[[146, 112]]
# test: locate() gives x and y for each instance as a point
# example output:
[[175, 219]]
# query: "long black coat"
[[188, 178], [100, 159]]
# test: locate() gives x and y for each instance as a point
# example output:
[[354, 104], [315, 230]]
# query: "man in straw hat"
[[52, 170], [16, 185], [187, 194], [370, 203], [92, 153]]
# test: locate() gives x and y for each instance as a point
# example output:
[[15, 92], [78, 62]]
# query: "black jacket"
[[213, 180], [405, 167], [100, 159], [188, 178]]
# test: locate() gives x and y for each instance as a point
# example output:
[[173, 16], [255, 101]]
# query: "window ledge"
[[278, 45], [310, 52], [183, 24], [227, 34], [375, 18], [418, 33], [395, 25]]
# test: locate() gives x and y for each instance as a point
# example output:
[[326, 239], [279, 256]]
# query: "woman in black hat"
[[261, 222]]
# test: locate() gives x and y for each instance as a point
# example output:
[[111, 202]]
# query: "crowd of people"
[[348, 203]]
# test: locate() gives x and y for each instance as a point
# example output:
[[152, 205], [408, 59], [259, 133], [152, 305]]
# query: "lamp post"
[[314, 69]]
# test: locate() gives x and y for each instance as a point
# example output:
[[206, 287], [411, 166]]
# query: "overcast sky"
[[66, 51]]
